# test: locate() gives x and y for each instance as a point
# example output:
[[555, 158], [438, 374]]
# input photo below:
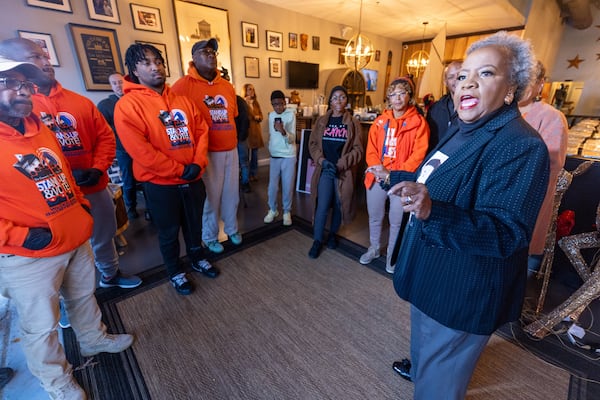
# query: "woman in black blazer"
[[473, 203]]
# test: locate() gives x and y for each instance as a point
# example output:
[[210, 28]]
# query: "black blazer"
[[466, 265]]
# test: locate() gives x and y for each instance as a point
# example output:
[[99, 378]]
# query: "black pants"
[[176, 207]]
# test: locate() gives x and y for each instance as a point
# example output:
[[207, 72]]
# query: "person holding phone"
[[282, 166]]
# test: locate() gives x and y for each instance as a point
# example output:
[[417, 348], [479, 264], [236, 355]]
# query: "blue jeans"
[[253, 162], [125, 165], [326, 199], [242, 148]]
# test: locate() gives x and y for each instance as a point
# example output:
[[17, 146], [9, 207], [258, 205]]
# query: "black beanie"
[[277, 94]]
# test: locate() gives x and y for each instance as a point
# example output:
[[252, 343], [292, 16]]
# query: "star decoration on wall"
[[574, 62]]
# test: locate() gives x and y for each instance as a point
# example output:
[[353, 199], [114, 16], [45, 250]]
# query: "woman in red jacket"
[[398, 140]]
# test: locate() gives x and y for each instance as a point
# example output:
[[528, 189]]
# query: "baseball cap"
[[212, 43], [31, 71]]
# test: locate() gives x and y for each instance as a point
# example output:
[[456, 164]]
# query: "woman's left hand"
[[415, 198], [379, 171]]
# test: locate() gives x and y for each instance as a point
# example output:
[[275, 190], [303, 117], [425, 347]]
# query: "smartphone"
[[277, 119]]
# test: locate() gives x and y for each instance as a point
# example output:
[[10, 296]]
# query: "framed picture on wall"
[[249, 34], [316, 43], [275, 67], [44, 40], [251, 67], [58, 5], [274, 41], [199, 22], [293, 40], [146, 18], [98, 54], [103, 10], [163, 49]]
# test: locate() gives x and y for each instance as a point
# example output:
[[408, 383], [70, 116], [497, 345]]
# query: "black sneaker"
[[204, 267], [246, 188], [132, 213], [181, 284], [403, 368], [315, 249]]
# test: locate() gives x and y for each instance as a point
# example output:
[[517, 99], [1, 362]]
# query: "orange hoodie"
[[397, 143], [217, 102], [81, 130], [161, 133], [38, 191]]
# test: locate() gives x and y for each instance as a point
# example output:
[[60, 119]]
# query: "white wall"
[[585, 44]]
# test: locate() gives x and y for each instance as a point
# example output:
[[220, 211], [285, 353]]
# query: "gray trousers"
[[284, 169], [105, 228], [443, 359]]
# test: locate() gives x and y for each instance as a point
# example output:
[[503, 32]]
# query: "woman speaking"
[[473, 204]]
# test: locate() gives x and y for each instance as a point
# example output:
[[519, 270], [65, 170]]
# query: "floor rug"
[[279, 325]]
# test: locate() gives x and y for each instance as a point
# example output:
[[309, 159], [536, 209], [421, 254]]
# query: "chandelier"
[[419, 59], [359, 49]]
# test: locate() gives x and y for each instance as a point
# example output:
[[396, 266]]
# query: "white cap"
[[31, 71]]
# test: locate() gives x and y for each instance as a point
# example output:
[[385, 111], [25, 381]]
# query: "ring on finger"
[[408, 200]]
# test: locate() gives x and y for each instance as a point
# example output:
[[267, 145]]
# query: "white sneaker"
[[69, 391], [287, 219], [271, 215], [371, 254], [389, 268]]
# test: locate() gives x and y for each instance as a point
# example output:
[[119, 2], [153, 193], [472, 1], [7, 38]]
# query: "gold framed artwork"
[[199, 22], [98, 54], [275, 67], [251, 69], [249, 34], [44, 40], [293, 40]]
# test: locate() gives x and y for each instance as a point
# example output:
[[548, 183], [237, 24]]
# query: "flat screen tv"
[[302, 75]]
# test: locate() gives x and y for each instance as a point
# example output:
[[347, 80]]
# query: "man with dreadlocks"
[[167, 138]]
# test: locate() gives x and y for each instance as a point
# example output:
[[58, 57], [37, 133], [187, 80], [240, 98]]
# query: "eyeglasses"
[[208, 52], [397, 94], [16, 85]]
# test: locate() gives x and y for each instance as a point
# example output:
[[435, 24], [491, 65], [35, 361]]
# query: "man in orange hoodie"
[[45, 224], [167, 138], [215, 97], [89, 144]]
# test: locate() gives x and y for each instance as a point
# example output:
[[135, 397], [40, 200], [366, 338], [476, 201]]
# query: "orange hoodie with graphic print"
[[161, 133], [217, 102], [83, 133], [397, 143], [38, 191]]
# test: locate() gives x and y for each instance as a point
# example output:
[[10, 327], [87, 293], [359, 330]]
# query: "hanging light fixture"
[[359, 49], [419, 59]]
